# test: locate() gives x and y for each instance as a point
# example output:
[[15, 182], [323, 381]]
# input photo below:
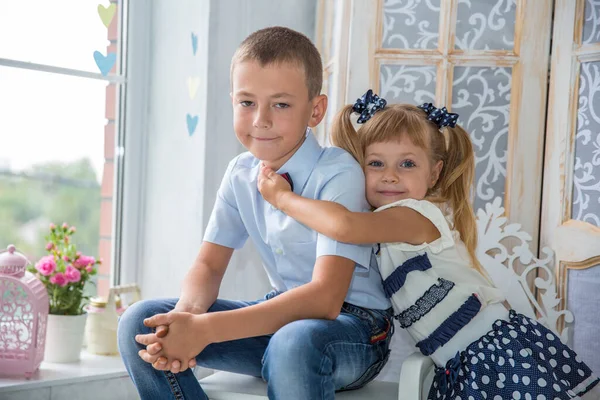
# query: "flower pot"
[[64, 338]]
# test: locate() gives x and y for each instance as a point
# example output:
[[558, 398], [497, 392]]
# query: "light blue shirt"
[[289, 249]]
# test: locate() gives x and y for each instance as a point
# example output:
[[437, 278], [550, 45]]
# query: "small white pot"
[[64, 338]]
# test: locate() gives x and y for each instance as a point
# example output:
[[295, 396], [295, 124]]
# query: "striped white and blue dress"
[[481, 349]]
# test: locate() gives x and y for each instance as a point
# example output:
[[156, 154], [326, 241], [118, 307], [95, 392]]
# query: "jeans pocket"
[[380, 322], [370, 374]]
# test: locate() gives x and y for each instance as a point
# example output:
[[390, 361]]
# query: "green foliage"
[[29, 203], [49, 192]]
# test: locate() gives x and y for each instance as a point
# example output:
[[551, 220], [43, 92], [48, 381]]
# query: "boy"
[[326, 325]]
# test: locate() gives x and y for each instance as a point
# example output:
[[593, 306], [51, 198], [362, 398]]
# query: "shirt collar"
[[301, 164]]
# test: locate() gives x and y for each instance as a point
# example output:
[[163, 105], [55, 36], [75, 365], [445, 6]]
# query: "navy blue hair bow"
[[440, 116], [367, 106]]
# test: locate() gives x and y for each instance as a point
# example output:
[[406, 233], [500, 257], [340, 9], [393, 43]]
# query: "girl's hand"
[[188, 336], [272, 186]]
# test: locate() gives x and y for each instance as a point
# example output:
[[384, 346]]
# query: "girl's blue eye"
[[282, 105], [245, 103], [375, 164], [407, 164]]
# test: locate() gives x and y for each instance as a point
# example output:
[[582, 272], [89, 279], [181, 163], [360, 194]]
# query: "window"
[[60, 100]]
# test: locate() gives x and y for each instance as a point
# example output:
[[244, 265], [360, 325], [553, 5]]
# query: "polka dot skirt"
[[517, 359]]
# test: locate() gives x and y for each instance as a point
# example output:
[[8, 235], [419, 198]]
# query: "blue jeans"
[[306, 359]]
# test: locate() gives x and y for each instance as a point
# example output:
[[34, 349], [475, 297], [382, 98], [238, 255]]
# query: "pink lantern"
[[23, 316]]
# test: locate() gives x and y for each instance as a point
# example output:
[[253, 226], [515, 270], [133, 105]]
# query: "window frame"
[[130, 124]]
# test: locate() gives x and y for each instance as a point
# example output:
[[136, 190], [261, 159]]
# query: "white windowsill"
[[90, 368]]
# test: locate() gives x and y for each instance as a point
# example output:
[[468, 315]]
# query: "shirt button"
[[279, 251]]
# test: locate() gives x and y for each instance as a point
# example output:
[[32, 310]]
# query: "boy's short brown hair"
[[278, 44]]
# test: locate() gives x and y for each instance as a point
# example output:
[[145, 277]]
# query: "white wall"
[[179, 174], [174, 161]]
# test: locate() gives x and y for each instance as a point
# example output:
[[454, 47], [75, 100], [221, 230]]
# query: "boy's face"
[[271, 110]]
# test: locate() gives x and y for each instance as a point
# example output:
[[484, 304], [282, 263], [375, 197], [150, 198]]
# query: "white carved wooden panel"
[[411, 24], [484, 59], [586, 168], [570, 222]]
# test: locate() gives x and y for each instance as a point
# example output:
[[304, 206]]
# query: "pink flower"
[[52, 227], [72, 274], [73, 229], [84, 261], [89, 268], [65, 226], [78, 254], [49, 246], [66, 258], [46, 265], [59, 279]]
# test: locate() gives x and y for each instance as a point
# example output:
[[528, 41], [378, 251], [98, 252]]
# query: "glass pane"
[[413, 84], [591, 22], [582, 300], [481, 96], [586, 172], [56, 161], [412, 24], [64, 34], [485, 25]]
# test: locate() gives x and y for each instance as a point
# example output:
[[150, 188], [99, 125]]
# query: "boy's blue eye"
[[408, 164], [375, 164], [246, 103], [282, 105]]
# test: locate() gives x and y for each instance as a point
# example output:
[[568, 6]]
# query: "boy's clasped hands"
[[179, 335]]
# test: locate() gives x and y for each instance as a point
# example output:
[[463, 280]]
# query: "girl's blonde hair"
[[450, 145]]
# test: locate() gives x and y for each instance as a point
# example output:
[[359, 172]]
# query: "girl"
[[419, 167]]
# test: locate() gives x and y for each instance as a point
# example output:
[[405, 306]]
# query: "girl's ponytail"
[[343, 134], [455, 184]]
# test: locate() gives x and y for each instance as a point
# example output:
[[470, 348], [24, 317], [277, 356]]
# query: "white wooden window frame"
[[133, 146], [133, 28]]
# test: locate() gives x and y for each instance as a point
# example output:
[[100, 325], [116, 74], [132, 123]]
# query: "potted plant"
[[64, 272]]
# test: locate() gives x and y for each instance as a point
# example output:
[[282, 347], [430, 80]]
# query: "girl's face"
[[398, 170]]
